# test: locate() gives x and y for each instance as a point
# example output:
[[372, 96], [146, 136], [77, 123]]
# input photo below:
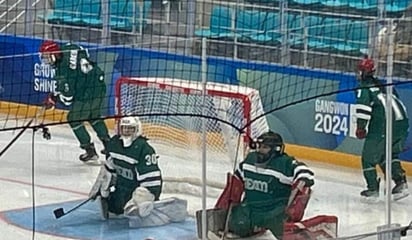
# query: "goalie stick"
[[403, 231], [294, 192], [225, 231], [46, 134], [59, 212]]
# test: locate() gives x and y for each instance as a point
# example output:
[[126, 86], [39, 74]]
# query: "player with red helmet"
[[80, 85], [371, 126], [366, 68], [50, 52]]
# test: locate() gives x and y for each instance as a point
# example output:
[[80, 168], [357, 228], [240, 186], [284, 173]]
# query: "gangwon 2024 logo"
[[337, 118]]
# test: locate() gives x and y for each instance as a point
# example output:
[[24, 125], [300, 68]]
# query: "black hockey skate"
[[400, 190], [369, 196], [90, 156]]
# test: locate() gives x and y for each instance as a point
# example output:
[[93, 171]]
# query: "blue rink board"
[[86, 223]]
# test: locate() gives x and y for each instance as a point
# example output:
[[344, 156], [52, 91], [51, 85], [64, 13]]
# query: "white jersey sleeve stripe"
[[123, 158], [151, 183], [141, 177], [282, 178]]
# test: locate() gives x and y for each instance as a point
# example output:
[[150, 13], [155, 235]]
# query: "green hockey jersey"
[[269, 187], [371, 105], [136, 166], [77, 77]]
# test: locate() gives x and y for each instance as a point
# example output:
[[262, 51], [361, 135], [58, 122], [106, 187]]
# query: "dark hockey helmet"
[[49, 52], [366, 68], [272, 140]]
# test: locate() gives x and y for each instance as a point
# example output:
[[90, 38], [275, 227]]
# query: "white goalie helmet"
[[129, 129]]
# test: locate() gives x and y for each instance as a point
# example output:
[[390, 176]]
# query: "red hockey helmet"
[[366, 66], [49, 52]]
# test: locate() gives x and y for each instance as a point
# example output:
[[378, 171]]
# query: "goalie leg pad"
[[231, 194], [164, 211], [318, 227], [215, 221], [104, 208], [141, 202]]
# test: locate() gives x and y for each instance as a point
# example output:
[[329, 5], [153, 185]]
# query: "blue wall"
[[291, 95]]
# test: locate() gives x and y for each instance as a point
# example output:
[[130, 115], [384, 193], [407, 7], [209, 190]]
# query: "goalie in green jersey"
[[275, 189], [130, 183], [371, 126], [80, 85], [131, 170]]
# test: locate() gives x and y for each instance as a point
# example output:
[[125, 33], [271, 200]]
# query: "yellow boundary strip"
[[17, 111], [333, 157], [301, 152]]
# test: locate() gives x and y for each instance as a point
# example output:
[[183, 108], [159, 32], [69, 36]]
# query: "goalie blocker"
[[321, 226]]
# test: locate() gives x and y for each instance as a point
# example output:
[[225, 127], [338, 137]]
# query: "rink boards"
[[337, 158]]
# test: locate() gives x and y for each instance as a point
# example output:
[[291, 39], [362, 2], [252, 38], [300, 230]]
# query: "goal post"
[[171, 114]]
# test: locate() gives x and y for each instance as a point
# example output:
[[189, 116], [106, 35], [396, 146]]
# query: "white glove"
[[104, 183], [141, 203]]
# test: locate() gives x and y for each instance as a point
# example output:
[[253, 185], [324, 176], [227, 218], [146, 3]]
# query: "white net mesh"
[[172, 115]]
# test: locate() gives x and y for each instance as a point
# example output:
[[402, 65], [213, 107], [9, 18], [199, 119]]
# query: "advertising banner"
[[312, 108]]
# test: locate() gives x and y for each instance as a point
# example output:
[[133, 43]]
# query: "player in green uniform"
[[268, 175], [371, 126], [80, 85], [131, 172]]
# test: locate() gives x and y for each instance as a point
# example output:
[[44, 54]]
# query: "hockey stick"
[[402, 232], [294, 192], [229, 213], [59, 212], [38, 113]]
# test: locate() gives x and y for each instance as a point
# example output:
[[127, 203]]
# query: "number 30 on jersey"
[[151, 159]]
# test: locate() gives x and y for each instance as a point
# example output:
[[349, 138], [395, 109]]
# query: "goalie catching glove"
[[104, 182]]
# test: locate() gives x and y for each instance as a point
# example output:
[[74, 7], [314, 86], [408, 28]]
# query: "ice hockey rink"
[[61, 180]]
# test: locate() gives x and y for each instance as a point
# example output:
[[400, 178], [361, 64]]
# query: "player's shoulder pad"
[[251, 157], [285, 158], [144, 138], [115, 138], [297, 162], [141, 141]]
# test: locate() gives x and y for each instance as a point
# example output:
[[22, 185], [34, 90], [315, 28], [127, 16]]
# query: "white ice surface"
[[59, 177]]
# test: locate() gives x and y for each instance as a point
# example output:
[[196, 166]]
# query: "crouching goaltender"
[[268, 191], [130, 182]]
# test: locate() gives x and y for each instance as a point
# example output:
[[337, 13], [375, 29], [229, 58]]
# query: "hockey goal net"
[[173, 117]]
